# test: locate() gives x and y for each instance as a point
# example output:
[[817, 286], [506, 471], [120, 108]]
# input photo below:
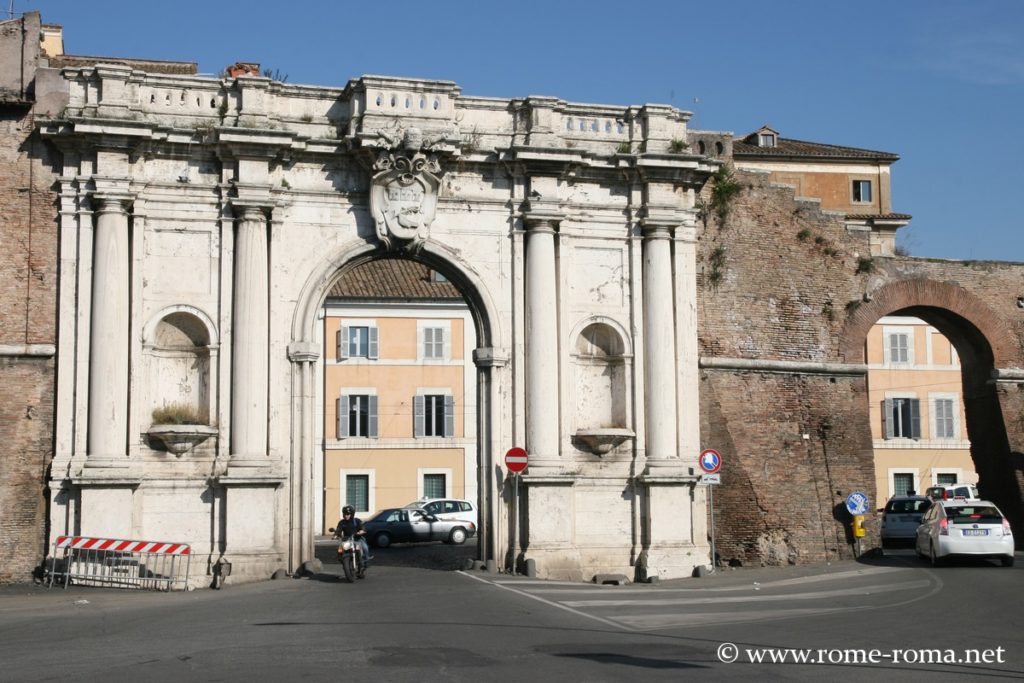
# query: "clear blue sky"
[[940, 83]]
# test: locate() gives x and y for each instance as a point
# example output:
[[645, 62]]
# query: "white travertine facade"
[[204, 220]]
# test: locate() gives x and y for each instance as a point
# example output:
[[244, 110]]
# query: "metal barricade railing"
[[89, 561]]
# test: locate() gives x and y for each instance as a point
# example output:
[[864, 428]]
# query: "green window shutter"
[[342, 408], [449, 416], [418, 413], [373, 343], [915, 418], [887, 418], [343, 342], [372, 418]]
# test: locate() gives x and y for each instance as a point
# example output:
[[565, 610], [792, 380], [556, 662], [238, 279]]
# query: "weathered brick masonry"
[[782, 281], [28, 278]]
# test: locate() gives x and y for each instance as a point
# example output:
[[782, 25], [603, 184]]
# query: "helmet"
[[348, 510]]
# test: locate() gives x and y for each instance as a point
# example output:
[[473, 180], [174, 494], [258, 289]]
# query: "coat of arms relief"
[[404, 187]]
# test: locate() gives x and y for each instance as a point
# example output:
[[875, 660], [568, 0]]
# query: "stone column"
[[249, 339], [659, 347], [542, 415], [108, 346]]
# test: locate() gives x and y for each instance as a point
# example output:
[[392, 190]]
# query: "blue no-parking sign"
[[857, 503]]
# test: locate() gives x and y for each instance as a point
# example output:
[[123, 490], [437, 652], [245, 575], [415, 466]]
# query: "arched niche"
[[180, 352], [601, 362]]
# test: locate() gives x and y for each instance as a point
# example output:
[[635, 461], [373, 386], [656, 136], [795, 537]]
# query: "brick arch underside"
[[918, 293]]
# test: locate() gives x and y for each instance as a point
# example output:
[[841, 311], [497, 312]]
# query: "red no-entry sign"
[[516, 459]]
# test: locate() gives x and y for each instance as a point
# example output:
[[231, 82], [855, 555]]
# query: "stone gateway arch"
[[204, 220]]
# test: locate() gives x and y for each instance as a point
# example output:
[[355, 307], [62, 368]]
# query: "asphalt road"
[[405, 622]]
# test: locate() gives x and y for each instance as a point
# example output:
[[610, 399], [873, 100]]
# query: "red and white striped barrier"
[[92, 561], [119, 546]]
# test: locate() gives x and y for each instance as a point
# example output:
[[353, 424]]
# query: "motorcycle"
[[350, 554]]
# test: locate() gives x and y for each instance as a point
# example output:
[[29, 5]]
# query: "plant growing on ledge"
[[678, 146], [865, 264], [623, 148], [723, 192], [177, 414]]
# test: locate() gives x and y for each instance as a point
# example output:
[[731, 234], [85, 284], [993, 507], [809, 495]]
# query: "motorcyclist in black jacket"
[[350, 525]]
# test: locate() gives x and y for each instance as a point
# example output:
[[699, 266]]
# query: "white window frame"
[[343, 352], [446, 471], [418, 412], [348, 393], [421, 340], [871, 191], [766, 140], [889, 331], [933, 415], [371, 494], [955, 471], [903, 470]]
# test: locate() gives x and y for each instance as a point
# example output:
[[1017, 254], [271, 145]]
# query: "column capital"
[[490, 357], [111, 202], [303, 352], [542, 216], [250, 211]]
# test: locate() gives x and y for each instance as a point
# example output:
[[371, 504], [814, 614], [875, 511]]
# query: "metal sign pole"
[[711, 499], [515, 521]]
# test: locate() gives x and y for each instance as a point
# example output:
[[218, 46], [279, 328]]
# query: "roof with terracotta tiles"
[[746, 147], [392, 278]]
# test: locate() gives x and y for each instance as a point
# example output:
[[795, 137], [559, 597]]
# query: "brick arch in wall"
[[944, 299], [983, 340]]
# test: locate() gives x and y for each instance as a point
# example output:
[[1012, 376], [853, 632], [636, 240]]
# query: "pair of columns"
[[107, 440], [660, 408]]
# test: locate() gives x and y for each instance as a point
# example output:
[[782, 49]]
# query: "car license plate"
[[975, 532]]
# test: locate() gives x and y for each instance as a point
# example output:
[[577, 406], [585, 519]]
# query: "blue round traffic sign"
[[710, 461], [857, 503]]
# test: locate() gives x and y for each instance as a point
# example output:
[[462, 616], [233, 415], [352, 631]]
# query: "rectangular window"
[[945, 478], [434, 486], [357, 416], [433, 342], [898, 347], [434, 415], [942, 411], [902, 418], [357, 491], [902, 483], [767, 140], [862, 191], [357, 341]]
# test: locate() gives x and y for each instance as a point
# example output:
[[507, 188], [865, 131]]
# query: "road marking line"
[[625, 602], [607, 622], [648, 622]]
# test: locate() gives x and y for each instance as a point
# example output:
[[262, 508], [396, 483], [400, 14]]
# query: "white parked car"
[[974, 528], [948, 491], [446, 508]]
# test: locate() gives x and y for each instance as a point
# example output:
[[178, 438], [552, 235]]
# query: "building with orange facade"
[[398, 387], [917, 412]]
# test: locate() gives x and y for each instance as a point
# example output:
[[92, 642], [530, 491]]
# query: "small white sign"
[[711, 478]]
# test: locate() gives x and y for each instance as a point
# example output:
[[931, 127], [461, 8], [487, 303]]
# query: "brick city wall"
[[780, 280], [28, 286]]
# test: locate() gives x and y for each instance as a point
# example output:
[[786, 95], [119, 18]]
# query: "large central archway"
[[305, 352]]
